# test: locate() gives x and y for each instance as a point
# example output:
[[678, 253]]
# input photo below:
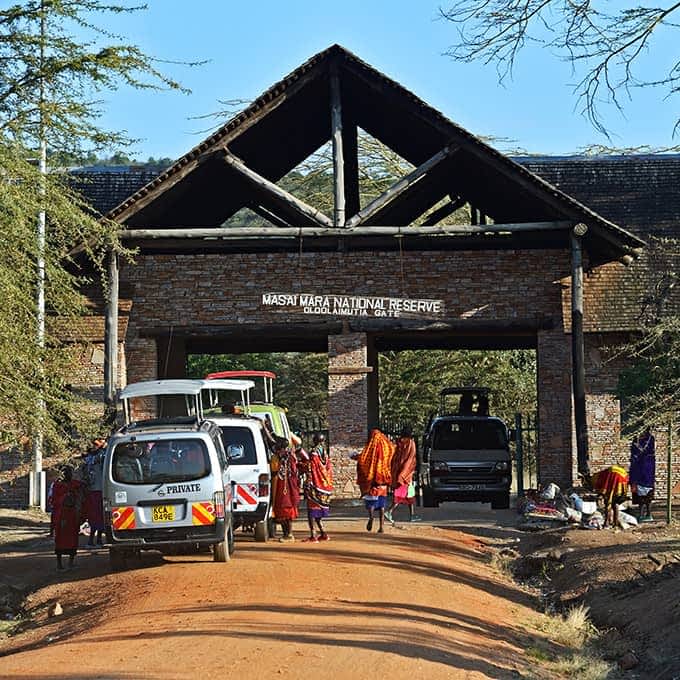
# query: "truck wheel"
[[261, 533], [429, 499], [116, 559], [501, 501], [221, 551]]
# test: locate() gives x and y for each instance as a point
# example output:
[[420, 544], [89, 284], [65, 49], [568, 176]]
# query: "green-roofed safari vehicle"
[[272, 415]]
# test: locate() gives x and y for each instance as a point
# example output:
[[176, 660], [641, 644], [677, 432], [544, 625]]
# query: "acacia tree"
[[650, 386], [56, 62], [606, 43]]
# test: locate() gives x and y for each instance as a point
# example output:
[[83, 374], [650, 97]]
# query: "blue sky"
[[251, 45]]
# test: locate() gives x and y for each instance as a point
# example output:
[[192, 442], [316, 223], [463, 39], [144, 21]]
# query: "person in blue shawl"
[[642, 473]]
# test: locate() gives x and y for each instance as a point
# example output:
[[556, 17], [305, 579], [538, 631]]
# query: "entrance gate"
[[394, 272]]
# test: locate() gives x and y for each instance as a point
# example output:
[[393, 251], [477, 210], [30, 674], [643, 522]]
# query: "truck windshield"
[[469, 434], [163, 460]]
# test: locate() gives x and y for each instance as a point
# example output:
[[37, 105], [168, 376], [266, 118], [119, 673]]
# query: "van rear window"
[[239, 439], [470, 435], [162, 460]]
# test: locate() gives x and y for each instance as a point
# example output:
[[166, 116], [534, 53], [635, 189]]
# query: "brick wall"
[[606, 446], [14, 468], [183, 290]]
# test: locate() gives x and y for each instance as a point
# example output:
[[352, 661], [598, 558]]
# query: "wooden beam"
[[268, 215], [269, 192], [338, 150], [400, 187], [111, 331], [577, 349], [444, 211], [296, 232]]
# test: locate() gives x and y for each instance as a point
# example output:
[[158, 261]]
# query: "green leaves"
[[56, 61]]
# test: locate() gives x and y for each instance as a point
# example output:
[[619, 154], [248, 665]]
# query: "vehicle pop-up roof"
[[267, 376], [192, 391], [470, 393], [189, 389], [216, 385]]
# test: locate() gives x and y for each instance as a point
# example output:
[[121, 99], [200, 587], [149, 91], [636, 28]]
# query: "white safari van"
[[244, 441], [167, 481]]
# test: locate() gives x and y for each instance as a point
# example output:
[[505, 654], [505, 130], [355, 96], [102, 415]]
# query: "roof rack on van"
[[173, 423], [464, 390], [267, 376]]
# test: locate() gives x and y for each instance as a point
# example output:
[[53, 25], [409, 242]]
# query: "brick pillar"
[[373, 409], [347, 406], [556, 458], [141, 363]]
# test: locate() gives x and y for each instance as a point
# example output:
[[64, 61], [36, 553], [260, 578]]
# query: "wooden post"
[[350, 156], [111, 331], [577, 349], [669, 481], [338, 150]]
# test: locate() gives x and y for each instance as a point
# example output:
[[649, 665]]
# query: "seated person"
[[192, 462]]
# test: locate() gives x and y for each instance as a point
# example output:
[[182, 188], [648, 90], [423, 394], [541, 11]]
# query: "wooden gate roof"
[[239, 164]]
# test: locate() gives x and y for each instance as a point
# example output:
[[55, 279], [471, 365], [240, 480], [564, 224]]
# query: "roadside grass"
[[10, 626], [577, 639], [569, 644], [502, 563]]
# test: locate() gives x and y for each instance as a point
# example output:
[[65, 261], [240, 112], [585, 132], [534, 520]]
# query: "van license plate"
[[469, 487], [163, 513]]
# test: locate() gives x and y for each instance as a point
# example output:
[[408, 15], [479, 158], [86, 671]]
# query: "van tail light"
[[107, 512], [218, 502], [263, 485]]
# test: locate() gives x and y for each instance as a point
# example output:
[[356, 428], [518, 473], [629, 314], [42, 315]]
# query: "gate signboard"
[[354, 305]]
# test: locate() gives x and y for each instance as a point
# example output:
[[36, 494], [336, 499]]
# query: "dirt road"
[[414, 602]]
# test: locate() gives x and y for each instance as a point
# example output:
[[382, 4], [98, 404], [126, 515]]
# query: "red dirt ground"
[[415, 602]]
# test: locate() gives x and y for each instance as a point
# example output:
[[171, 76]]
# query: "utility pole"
[[37, 481]]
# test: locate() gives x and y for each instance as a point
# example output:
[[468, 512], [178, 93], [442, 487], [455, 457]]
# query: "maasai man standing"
[[286, 485], [374, 476], [402, 469], [67, 500], [318, 487]]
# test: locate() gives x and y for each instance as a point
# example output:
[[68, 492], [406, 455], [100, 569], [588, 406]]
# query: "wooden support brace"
[[278, 198], [444, 211], [399, 188]]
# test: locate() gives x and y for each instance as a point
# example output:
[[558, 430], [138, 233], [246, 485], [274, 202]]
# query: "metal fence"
[[526, 462]]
